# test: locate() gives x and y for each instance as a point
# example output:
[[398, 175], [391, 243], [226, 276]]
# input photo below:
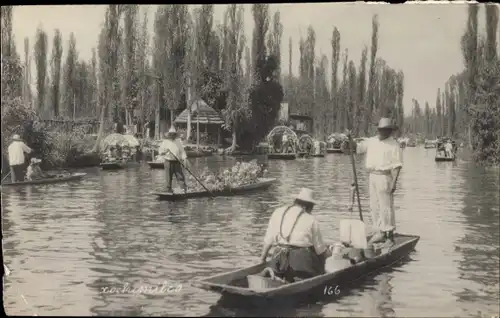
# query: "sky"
[[422, 40]]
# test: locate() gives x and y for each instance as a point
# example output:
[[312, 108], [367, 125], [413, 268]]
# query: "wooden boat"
[[55, 179], [282, 156], [235, 285], [444, 158], [156, 164], [303, 154], [333, 150], [321, 155], [263, 183], [429, 146], [115, 165], [198, 154]]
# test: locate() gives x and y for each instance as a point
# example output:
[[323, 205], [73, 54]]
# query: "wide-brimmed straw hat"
[[171, 132], [306, 195], [35, 161], [16, 137], [385, 123]]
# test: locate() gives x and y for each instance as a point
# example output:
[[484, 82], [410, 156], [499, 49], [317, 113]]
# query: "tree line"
[[469, 106], [130, 80], [354, 100]]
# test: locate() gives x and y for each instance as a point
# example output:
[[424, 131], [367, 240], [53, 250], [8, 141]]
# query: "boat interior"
[[239, 283]]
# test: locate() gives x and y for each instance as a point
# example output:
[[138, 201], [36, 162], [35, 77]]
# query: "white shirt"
[[381, 155], [167, 147], [306, 232], [448, 146], [16, 152]]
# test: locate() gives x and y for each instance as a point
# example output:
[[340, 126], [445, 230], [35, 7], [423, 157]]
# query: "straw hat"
[[171, 132], [35, 161], [306, 195], [385, 123], [16, 137]]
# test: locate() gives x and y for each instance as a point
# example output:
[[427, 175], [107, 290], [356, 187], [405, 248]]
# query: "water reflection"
[[65, 242], [479, 265]]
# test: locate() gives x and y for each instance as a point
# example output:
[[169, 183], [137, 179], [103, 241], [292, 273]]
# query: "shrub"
[[18, 118], [68, 145], [56, 147]]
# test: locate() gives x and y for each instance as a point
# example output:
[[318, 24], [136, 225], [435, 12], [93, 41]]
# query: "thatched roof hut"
[[209, 120], [200, 111]]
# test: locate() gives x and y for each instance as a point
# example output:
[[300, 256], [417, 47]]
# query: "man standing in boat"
[[383, 162], [175, 157], [16, 152]]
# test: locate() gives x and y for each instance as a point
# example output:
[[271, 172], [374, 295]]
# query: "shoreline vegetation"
[[128, 81]]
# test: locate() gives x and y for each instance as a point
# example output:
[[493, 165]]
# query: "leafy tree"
[[41, 67], [57, 51]]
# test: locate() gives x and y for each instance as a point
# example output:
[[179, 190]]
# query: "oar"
[[201, 183]]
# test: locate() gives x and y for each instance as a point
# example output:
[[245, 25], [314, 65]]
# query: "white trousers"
[[382, 202]]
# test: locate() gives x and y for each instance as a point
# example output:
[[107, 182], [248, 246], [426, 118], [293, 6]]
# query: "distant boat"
[[282, 156]]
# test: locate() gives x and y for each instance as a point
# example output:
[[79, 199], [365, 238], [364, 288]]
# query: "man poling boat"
[[173, 153], [16, 152], [300, 250], [383, 162]]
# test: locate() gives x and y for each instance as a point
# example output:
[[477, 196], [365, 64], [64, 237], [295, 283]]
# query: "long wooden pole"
[[351, 151], [351, 143]]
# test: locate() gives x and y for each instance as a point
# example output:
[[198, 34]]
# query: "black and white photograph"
[[319, 159]]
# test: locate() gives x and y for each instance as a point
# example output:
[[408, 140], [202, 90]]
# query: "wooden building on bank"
[[204, 119]]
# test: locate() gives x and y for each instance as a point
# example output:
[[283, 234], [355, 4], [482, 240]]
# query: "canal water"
[[94, 247]]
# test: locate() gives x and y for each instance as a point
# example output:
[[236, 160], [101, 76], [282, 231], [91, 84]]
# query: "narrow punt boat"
[[321, 155], [303, 154], [429, 146], [156, 164], [55, 179], [115, 165], [235, 284], [198, 154], [263, 183], [333, 150], [444, 158], [282, 156]]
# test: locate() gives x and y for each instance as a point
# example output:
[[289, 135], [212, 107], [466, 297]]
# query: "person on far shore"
[[383, 162], [16, 152], [173, 152]]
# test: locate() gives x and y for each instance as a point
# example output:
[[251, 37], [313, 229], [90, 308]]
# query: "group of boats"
[[438, 144], [286, 144], [235, 284]]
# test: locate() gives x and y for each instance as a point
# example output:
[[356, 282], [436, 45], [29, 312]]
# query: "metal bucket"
[[259, 282]]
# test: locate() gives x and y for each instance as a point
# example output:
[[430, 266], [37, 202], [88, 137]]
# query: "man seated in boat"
[[291, 146], [300, 250], [125, 153], [34, 171], [110, 155], [285, 143], [440, 148], [175, 157]]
